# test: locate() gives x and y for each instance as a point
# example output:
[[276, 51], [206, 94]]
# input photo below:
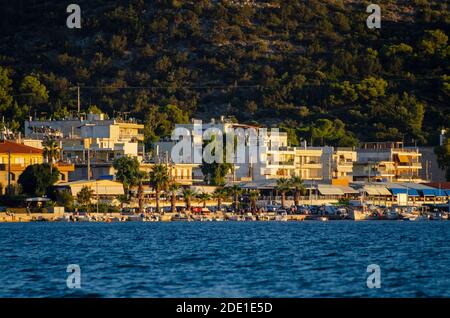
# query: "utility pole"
[[9, 172], [78, 100], [89, 162]]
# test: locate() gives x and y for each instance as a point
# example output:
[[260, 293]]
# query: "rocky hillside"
[[312, 67]]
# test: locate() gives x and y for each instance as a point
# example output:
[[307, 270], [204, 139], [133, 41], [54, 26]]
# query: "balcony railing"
[[411, 164], [344, 163]]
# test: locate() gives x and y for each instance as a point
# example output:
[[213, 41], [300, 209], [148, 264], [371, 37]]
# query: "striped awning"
[[347, 189], [371, 191], [330, 190], [383, 191], [376, 190]]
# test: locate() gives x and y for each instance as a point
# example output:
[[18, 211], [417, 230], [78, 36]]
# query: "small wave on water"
[[242, 259]]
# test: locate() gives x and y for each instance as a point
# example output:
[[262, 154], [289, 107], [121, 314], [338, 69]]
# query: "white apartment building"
[[276, 158], [286, 162]]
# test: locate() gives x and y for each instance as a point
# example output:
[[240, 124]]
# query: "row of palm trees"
[[220, 194], [160, 181], [294, 184]]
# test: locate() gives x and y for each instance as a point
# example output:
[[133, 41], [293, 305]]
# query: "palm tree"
[[84, 197], [159, 180], [204, 197], [283, 186], [51, 152], [220, 194], [298, 187], [127, 172], [173, 189], [123, 199], [188, 194], [235, 191], [253, 195], [140, 178]]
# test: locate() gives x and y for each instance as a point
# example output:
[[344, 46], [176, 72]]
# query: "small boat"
[[112, 219], [358, 211], [233, 218], [323, 219], [135, 218], [180, 218], [436, 216], [413, 217], [281, 218], [358, 214], [391, 214], [83, 218], [374, 216]]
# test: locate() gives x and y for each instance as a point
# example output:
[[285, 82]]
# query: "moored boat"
[[391, 214]]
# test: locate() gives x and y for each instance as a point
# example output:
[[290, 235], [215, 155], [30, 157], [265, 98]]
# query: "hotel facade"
[[388, 162]]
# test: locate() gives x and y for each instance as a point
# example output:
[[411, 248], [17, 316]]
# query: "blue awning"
[[440, 193], [413, 193], [448, 192], [428, 192], [396, 191], [410, 192]]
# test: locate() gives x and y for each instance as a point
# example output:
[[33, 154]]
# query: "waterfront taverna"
[[104, 190]]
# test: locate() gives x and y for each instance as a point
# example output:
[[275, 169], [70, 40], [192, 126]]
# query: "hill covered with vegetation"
[[312, 67]]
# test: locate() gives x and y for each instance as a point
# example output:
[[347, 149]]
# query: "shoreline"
[[176, 217]]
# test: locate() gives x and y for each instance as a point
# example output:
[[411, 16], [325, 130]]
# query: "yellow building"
[[180, 173], [15, 157]]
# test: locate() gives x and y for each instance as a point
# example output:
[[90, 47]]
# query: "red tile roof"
[[6, 146]]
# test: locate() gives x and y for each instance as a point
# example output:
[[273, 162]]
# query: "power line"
[[235, 86]]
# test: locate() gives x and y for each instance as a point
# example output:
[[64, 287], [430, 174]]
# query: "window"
[[19, 160]]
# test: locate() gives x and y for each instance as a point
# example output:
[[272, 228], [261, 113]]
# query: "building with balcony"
[[276, 159], [179, 173], [388, 162], [106, 138], [93, 126], [92, 143], [338, 163], [286, 162]]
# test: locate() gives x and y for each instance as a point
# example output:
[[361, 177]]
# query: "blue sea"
[[226, 259]]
